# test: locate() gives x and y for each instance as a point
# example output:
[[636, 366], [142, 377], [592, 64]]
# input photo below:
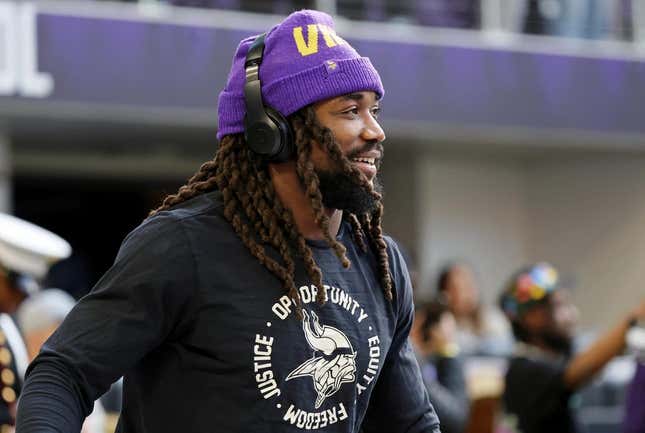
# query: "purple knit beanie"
[[304, 61]]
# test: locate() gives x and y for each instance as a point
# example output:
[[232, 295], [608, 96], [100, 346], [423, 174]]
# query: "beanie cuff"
[[330, 79]]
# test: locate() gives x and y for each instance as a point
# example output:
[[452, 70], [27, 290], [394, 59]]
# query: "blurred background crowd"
[[593, 19], [515, 136]]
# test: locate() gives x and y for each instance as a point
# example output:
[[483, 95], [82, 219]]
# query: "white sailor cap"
[[27, 249]]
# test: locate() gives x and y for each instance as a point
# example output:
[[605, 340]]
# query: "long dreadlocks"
[[258, 217]]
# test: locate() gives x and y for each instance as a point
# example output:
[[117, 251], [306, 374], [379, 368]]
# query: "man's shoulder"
[[170, 226], [205, 208], [208, 203]]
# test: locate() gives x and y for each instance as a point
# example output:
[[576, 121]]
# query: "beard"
[[342, 191]]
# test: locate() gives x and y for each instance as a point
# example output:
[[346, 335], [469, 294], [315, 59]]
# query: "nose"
[[372, 131]]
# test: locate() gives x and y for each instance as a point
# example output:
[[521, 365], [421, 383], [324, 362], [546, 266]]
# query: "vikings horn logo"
[[334, 359]]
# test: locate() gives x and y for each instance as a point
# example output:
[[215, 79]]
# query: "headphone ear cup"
[[263, 137], [287, 148]]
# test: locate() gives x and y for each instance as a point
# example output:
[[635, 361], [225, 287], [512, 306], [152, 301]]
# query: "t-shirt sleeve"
[[144, 299], [399, 402]]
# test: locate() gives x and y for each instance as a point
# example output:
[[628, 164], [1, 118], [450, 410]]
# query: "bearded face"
[[342, 191], [352, 121]]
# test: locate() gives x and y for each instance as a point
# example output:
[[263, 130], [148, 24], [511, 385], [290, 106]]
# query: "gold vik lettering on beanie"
[[311, 45]]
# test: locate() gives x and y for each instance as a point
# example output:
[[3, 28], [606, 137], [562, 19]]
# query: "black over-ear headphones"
[[266, 131]]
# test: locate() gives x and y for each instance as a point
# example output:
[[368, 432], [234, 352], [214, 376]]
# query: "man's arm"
[[586, 364], [51, 402], [143, 300]]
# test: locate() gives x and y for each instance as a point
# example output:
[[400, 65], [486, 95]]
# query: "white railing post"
[[638, 21], [328, 6], [491, 15]]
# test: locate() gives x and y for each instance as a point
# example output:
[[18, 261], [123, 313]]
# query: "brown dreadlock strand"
[[303, 140], [313, 271], [359, 236], [268, 219], [372, 225], [383, 261], [310, 179]]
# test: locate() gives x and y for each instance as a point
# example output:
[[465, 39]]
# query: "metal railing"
[[617, 20]]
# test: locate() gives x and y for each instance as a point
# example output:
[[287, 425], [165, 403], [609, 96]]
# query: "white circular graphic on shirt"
[[332, 366]]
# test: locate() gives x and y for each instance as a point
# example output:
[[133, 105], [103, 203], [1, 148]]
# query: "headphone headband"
[[256, 51], [266, 131]]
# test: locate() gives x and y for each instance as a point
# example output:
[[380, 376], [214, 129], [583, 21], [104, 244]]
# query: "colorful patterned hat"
[[527, 288]]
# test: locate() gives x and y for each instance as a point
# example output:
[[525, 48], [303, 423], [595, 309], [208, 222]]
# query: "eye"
[[376, 111], [351, 110]]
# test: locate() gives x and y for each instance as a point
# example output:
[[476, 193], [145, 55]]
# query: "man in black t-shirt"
[[543, 373], [263, 297]]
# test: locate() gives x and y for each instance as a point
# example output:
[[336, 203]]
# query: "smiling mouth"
[[369, 161]]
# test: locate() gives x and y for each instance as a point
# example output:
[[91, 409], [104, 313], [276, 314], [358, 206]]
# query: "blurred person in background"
[[635, 401], [463, 14], [263, 296], [26, 253], [38, 317], [544, 372], [481, 330], [589, 19], [433, 335]]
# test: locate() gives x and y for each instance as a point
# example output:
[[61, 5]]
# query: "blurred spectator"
[[590, 19], [73, 274], [543, 373], [209, 4], [534, 20], [377, 10], [637, 11], [26, 253], [448, 13], [481, 330], [276, 6], [635, 405], [433, 337], [38, 317]]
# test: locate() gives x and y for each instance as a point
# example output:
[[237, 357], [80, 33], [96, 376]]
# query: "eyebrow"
[[353, 96], [356, 96]]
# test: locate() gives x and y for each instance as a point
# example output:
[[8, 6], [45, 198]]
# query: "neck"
[[546, 347], [291, 193]]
